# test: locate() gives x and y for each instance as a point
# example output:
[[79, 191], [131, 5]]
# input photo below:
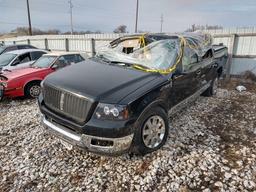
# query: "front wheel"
[[151, 131], [33, 90]]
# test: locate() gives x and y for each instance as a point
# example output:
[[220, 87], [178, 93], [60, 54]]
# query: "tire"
[[212, 90], [141, 143], [32, 90]]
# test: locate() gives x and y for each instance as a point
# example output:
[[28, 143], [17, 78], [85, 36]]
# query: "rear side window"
[[36, 55]]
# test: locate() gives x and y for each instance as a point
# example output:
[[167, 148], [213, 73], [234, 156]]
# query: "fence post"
[[93, 52], [67, 44], [28, 41], [231, 53], [46, 44]]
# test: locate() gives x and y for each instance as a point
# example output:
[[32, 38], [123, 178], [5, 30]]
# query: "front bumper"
[[101, 145]]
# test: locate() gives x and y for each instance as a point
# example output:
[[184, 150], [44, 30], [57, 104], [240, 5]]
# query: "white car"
[[19, 59]]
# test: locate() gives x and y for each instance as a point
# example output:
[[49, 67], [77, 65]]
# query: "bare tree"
[[121, 29]]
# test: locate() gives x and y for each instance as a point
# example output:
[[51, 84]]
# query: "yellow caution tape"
[[183, 43]]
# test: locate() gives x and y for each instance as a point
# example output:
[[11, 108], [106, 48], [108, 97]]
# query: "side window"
[[21, 59], [24, 58], [190, 60], [61, 62], [36, 55], [207, 55]]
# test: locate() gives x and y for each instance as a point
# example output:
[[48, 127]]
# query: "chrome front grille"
[[71, 105]]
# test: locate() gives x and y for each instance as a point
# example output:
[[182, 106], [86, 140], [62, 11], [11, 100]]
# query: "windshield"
[[6, 58], [44, 62], [157, 55]]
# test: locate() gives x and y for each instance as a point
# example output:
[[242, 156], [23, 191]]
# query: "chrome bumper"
[[120, 145]]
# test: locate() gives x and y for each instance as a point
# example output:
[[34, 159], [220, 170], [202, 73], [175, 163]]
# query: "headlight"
[[111, 112], [4, 84]]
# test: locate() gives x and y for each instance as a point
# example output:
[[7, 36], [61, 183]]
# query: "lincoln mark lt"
[[121, 99]]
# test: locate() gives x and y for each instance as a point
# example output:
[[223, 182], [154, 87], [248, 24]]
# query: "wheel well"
[[31, 82], [219, 71]]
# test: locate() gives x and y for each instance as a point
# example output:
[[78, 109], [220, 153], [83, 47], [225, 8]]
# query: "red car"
[[26, 82]]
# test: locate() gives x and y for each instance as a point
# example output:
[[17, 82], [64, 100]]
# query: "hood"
[[20, 72], [100, 82]]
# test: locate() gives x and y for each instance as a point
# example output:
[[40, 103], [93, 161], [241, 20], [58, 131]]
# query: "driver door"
[[186, 78]]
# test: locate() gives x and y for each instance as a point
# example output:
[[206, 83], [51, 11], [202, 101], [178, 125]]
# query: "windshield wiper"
[[102, 58], [131, 64]]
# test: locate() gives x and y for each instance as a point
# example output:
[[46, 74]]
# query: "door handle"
[[198, 72]]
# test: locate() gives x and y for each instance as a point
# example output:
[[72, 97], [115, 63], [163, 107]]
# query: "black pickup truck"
[[121, 99]]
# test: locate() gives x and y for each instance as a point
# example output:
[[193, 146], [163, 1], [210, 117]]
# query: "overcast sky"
[[105, 15]]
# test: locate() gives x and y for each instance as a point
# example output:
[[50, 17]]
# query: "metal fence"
[[241, 43], [88, 43], [241, 46]]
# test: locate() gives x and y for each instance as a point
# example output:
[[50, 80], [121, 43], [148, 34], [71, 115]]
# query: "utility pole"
[[29, 20], [71, 16], [162, 21], [137, 14]]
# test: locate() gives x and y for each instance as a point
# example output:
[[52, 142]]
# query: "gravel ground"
[[211, 147]]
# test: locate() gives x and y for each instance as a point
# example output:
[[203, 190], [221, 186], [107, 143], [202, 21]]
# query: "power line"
[[71, 16]]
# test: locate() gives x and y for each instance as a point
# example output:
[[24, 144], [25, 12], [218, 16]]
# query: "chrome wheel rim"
[[153, 131], [215, 86], [35, 91]]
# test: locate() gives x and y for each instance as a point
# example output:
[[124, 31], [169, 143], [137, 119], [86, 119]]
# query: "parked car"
[[121, 102], [19, 59], [26, 82], [8, 48]]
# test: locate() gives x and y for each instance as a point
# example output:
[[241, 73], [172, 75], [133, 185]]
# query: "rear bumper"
[[114, 146]]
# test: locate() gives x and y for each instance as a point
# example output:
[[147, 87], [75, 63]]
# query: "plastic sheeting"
[[161, 56]]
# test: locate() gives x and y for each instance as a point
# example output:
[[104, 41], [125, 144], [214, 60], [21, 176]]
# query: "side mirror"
[[55, 66]]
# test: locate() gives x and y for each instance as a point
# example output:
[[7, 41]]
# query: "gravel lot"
[[211, 147]]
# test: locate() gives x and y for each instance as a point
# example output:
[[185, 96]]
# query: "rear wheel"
[[33, 90], [212, 90], [151, 132]]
